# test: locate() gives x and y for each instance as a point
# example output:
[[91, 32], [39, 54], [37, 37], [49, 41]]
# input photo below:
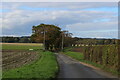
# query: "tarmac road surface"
[[70, 68]]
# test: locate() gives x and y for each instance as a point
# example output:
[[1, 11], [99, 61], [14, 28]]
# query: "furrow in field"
[[17, 61]]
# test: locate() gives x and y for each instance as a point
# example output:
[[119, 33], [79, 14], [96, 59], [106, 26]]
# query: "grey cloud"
[[97, 34], [20, 21], [96, 26], [19, 17]]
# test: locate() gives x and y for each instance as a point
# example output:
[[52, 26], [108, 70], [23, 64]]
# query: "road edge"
[[93, 67]]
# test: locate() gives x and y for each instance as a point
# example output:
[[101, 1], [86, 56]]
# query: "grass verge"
[[44, 68]]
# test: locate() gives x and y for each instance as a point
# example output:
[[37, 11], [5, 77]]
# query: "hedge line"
[[107, 55]]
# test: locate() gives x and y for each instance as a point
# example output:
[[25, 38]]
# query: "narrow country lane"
[[70, 68]]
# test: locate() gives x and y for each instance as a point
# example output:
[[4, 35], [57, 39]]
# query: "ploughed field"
[[17, 54], [16, 58]]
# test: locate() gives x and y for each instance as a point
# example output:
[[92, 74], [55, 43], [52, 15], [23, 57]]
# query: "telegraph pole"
[[62, 42], [44, 37]]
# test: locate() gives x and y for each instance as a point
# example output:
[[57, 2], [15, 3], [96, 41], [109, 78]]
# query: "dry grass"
[[21, 46], [27, 44]]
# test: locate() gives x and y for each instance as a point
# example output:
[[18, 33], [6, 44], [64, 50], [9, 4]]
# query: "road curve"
[[70, 68]]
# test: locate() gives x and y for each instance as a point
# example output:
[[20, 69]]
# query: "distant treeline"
[[73, 41], [95, 41], [24, 39]]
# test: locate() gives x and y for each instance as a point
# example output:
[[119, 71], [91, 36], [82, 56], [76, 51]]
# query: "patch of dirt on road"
[[12, 59]]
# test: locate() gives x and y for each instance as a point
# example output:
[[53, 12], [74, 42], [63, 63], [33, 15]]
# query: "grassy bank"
[[44, 68], [80, 57]]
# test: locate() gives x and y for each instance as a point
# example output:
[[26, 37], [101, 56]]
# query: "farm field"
[[21, 46], [20, 62], [13, 59]]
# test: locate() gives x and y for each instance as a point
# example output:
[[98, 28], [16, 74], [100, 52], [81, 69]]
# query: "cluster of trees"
[[52, 36]]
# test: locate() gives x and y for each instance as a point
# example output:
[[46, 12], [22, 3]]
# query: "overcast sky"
[[83, 19]]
